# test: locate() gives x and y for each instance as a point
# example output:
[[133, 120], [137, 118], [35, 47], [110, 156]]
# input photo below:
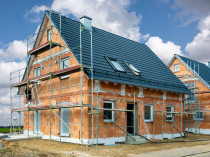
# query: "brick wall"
[[108, 91]]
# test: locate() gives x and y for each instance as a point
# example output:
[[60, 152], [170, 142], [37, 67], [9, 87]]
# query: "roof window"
[[132, 68], [115, 64]]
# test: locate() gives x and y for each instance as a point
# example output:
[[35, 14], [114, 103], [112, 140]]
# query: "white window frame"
[[36, 71], [176, 67], [194, 117], [62, 61], [62, 67], [133, 69], [170, 115], [151, 113], [119, 68], [97, 85], [49, 34], [113, 113], [62, 125], [122, 89]]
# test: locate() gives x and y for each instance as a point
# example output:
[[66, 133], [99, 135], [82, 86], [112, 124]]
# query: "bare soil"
[[42, 148]]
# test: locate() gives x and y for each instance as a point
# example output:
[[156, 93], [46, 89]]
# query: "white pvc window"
[[64, 63], [64, 131], [122, 89], [176, 67], [97, 85], [115, 64], [133, 69], [198, 116], [49, 35], [37, 71], [148, 112], [169, 113], [108, 114], [37, 121]]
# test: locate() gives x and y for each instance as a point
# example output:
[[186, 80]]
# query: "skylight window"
[[115, 64], [132, 68]]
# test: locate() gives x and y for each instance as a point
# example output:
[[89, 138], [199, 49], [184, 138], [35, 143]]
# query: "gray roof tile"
[[154, 73]]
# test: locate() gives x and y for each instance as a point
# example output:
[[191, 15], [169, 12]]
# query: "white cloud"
[[35, 13], [15, 50], [165, 51], [5, 112], [6, 68], [111, 15], [199, 48], [5, 115], [37, 28], [37, 9], [191, 10]]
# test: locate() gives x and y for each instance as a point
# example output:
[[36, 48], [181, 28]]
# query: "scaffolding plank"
[[107, 109], [202, 92], [43, 47], [44, 77], [47, 107], [173, 112]]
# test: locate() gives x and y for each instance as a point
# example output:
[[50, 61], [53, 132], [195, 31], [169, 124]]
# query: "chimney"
[[86, 22], [207, 63]]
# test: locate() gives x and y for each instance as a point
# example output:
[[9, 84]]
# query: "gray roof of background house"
[[154, 73]]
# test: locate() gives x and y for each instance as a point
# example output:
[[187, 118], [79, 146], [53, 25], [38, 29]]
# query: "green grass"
[[6, 130]]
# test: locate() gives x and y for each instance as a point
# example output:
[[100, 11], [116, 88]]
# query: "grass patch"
[[6, 130]]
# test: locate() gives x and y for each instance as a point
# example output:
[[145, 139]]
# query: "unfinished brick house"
[[90, 86], [196, 76]]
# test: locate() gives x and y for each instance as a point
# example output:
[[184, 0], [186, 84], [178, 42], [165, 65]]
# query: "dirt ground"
[[42, 148]]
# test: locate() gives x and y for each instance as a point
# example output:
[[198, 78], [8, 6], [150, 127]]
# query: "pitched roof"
[[200, 69], [154, 73]]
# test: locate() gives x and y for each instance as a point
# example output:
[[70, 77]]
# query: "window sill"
[[108, 121], [169, 121], [147, 121], [64, 77], [67, 135], [198, 119]]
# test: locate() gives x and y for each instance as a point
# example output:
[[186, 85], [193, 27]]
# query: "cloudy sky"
[[168, 27]]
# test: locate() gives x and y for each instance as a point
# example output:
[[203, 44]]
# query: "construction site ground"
[[39, 147]]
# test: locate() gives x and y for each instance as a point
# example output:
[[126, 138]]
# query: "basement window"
[[169, 114], [176, 67], [115, 64], [132, 68], [108, 114], [198, 116], [148, 113], [37, 71]]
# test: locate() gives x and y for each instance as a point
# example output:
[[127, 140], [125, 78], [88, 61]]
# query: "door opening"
[[130, 120]]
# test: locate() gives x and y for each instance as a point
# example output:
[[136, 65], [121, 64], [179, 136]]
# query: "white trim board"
[[106, 141], [202, 131]]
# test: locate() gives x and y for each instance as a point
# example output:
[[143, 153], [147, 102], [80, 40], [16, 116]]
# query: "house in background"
[[196, 76], [133, 91]]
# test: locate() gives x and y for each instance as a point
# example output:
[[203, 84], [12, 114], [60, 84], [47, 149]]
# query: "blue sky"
[[165, 26], [158, 19]]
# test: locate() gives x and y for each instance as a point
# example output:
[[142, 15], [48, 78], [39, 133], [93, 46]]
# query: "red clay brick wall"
[[204, 98], [107, 129]]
